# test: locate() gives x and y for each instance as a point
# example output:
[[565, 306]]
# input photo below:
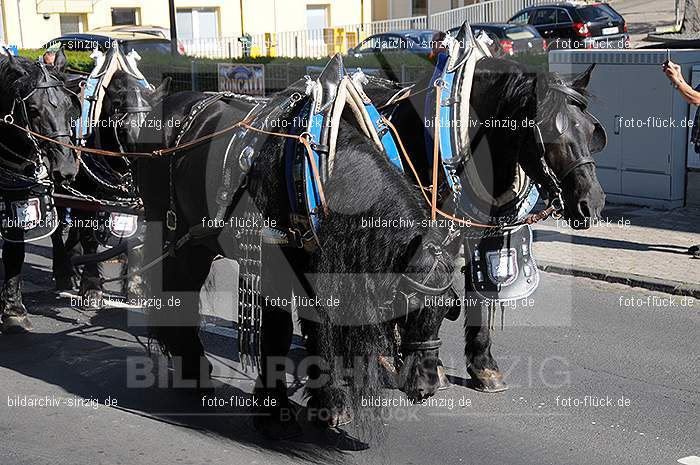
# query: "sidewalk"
[[631, 245], [644, 16]]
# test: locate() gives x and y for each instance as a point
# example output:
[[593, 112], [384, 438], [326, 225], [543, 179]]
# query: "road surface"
[[598, 374]]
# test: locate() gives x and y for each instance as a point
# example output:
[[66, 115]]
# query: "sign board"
[[242, 78], [12, 49]]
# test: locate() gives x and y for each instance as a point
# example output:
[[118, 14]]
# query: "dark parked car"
[[128, 41], [157, 31], [417, 41], [576, 25], [512, 38]]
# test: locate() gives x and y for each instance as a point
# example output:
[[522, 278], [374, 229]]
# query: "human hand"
[[673, 72]]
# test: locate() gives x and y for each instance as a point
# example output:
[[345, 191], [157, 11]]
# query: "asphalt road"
[[580, 338]]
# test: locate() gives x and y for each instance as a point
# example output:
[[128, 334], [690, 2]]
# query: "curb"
[[634, 280]]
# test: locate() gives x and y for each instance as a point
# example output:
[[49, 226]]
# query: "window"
[[125, 16], [457, 4], [545, 16], [197, 23], [419, 7], [71, 24], [520, 33], [316, 17], [522, 18], [563, 17], [596, 13]]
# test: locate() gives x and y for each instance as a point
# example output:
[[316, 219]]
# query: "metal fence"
[[490, 11], [317, 43], [311, 43], [203, 77]]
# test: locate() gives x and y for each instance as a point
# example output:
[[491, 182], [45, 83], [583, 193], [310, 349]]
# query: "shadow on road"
[[88, 356]]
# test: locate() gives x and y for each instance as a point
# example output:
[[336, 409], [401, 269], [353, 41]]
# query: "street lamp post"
[[173, 29]]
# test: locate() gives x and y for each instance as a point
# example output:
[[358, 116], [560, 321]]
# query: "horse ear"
[[13, 63], [60, 61], [162, 90], [580, 82]]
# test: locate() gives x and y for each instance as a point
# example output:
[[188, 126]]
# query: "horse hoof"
[[16, 325], [327, 416], [444, 381], [487, 380]]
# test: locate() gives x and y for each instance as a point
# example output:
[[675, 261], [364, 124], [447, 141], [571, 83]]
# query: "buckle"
[[558, 204], [296, 238], [171, 220]]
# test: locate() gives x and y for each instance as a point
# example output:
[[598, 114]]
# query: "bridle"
[[19, 112], [142, 108], [410, 288], [552, 180]]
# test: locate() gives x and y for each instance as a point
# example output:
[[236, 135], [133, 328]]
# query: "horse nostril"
[[583, 209]]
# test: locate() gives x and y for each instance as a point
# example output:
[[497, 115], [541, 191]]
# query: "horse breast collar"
[[328, 97], [451, 117], [92, 98]]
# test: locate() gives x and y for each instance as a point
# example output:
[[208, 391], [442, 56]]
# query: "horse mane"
[[361, 265], [526, 93]]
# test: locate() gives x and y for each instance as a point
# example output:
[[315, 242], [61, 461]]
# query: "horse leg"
[[276, 333], [176, 324], [62, 268], [90, 280], [481, 365], [135, 285], [328, 404], [12, 311]]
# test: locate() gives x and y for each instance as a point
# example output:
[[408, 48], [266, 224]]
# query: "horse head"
[[126, 104], [425, 295], [570, 135], [40, 102]]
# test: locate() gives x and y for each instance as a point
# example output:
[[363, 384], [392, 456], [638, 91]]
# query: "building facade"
[[394, 9], [32, 23]]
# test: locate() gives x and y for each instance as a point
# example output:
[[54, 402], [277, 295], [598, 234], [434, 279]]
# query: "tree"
[[691, 17]]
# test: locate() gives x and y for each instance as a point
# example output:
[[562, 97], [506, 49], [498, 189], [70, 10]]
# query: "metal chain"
[[120, 188], [117, 202]]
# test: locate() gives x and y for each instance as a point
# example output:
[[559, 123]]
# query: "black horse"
[[34, 96], [366, 281], [506, 91], [125, 104]]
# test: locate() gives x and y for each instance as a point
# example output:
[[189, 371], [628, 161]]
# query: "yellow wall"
[[259, 15], [395, 9]]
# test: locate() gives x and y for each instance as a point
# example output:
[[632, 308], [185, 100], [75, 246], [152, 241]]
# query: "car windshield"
[[146, 47], [519, 33], [424, 39], [596, 13]]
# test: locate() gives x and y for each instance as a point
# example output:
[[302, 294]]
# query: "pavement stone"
[[631, 245]]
